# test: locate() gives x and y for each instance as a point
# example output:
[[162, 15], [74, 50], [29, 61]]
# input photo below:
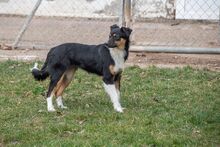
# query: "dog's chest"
[[118, 57]]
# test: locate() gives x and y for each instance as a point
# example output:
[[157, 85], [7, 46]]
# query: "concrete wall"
[[73, 8], [197, 9], [87, 8], [154, 8]]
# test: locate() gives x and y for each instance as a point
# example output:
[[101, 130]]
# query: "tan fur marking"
[[111, 68], [118, 83], [59, 83], [121, 43], [59, 91], [64, 81]]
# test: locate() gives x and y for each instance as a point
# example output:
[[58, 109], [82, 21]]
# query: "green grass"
[[164, 107]]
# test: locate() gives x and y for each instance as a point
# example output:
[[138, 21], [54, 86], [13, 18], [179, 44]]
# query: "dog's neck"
[[124, 48]]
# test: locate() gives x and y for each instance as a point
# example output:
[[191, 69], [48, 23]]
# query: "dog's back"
[[87, 57]]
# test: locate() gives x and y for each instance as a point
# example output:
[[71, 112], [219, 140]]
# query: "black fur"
[[92, 58], [42, 74]]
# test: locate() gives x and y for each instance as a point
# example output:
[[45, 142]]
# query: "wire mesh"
[[58, 21], [169, 23], [176, 23]]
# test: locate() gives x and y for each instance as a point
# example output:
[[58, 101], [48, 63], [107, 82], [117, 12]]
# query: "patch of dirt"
[[50, 31], [90, 31], [143, 59], [170, 60]]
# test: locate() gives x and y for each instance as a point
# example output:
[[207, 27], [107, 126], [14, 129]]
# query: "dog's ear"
[[114, 27], [127, 31]]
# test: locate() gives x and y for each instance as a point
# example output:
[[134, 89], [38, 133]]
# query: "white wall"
[[77, 8], [185, 9], [154, 8], [83, 8]]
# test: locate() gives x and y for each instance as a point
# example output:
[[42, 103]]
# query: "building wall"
[[74, 8], [154, 8], [170, 9], [86, 8]]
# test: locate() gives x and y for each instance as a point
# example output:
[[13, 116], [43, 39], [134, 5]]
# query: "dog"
[[106, 60]]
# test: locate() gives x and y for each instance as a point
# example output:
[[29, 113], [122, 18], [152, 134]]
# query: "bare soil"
[[143, 60], [46, 32]]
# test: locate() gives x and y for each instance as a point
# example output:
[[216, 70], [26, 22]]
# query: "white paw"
[[51, 109], [119, 109], [62, 107], [60, 103]]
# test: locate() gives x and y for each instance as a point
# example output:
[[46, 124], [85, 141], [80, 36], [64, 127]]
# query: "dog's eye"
[[117, 37]]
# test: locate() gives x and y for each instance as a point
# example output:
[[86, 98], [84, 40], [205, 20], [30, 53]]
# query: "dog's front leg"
[[114, 95], [117, 80]]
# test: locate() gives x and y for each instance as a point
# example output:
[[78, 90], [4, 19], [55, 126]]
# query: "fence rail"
[[155, 23]]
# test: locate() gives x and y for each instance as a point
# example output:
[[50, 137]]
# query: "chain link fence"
[[166, 23], [57, 21], [177, 23]]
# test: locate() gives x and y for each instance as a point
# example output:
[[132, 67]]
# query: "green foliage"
[[164, 107]]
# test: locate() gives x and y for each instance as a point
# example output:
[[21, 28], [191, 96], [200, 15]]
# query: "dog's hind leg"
[[62, 84], [53, 83]]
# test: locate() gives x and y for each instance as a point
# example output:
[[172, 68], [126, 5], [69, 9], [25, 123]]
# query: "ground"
[[49, 31], [163, 60], [178, 107], [44, 33], [164, 107]]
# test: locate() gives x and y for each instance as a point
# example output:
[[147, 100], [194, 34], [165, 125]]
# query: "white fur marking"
[[114, 95], [50, 106], [118, 57], [35, 66], [60, 103]]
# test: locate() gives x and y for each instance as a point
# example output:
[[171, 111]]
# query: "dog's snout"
[[111, 42]]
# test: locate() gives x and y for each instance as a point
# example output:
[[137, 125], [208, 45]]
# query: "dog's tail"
[[38, 74]]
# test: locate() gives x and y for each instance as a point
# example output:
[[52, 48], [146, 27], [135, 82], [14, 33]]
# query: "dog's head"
[[118, 36]]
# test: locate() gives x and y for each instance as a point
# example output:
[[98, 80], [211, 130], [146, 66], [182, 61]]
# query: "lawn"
[[164, 107]]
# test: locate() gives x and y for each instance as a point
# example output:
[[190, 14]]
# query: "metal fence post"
[[127, 12], [219, 26], [26, 24], [121, 13]]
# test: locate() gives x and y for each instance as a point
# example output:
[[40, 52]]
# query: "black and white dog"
[[106, 60]]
